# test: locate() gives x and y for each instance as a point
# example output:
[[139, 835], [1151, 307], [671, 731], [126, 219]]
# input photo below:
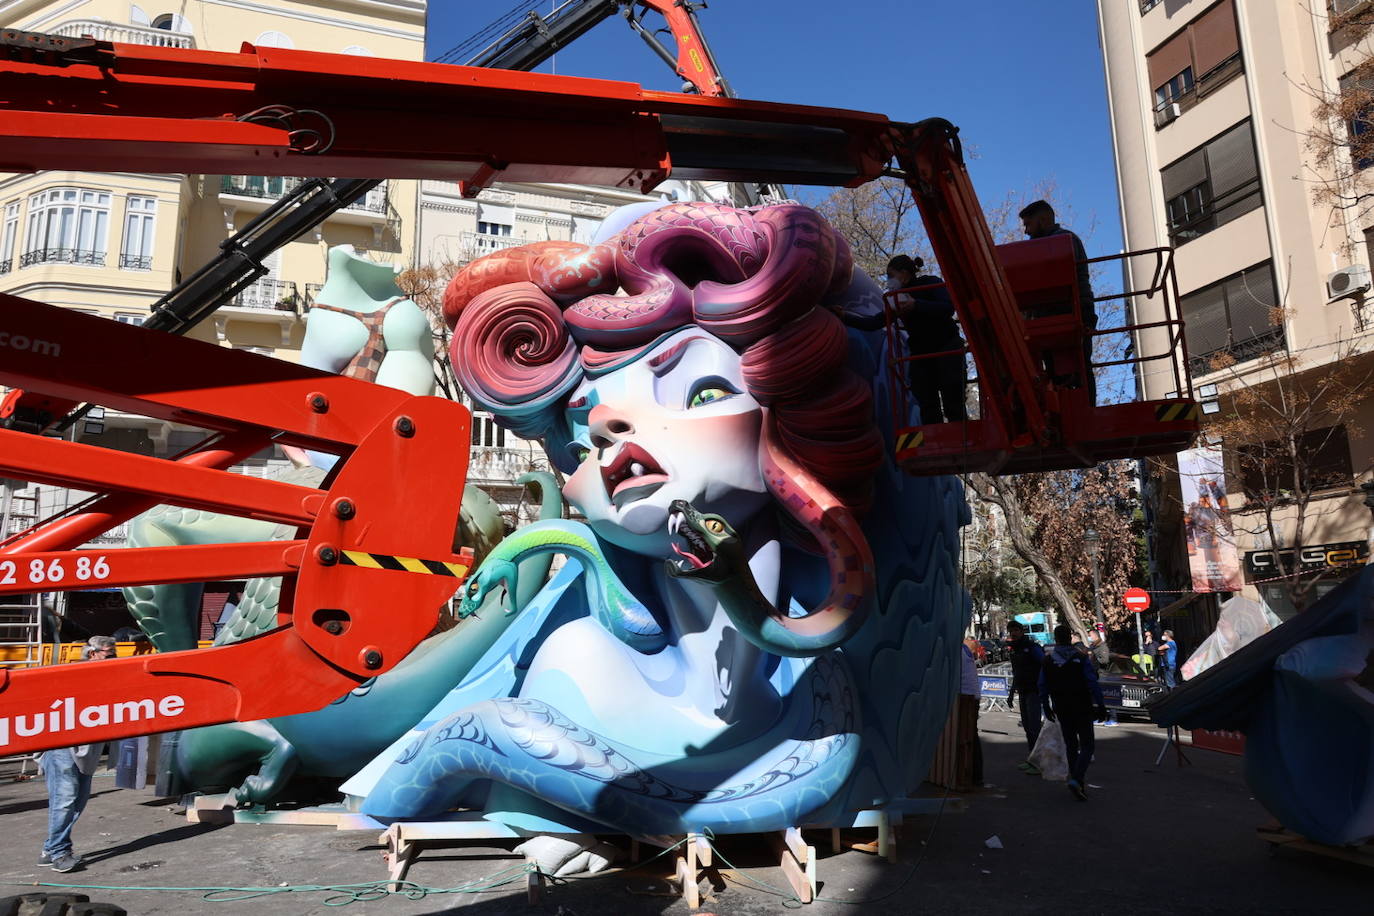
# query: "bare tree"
[[879, 220], [425, 285], [1340, 142]]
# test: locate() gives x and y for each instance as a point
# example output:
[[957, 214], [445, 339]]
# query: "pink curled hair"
[[530, 322]]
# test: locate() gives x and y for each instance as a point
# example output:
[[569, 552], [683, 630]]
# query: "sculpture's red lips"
[[632, 467]]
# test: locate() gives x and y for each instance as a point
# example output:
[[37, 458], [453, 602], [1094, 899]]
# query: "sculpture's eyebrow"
[[665, 361]]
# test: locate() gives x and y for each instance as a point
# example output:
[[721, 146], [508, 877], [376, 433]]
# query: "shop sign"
[[1263, 564]]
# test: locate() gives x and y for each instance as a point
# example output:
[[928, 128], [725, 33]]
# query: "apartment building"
[[1212, 103]]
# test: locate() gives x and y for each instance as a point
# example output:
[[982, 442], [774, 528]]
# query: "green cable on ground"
[[339, 894]]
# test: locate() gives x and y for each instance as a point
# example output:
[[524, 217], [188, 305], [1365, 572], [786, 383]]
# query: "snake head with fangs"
[[707, 548]]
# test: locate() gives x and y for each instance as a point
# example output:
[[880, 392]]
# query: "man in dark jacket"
[[1027, 658], [927, 315], [1071, 696], [1038, 221]]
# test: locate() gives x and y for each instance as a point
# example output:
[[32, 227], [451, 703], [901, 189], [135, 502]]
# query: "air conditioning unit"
[[1347, 282], [1167, 114]]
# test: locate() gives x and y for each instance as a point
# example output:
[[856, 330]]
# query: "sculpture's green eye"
[[714, 525], [708, 393]]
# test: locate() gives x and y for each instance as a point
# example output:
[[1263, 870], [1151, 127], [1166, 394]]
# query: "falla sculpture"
[[757, 624]]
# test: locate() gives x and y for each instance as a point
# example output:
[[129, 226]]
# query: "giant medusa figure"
[[759, 622]]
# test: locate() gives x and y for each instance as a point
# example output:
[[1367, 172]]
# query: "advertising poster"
[[1212, 555]]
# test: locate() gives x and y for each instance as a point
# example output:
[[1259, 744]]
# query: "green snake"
[[709, 550]]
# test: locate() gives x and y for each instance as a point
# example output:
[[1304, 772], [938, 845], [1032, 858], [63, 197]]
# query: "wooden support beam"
[[794, 867], [887, 838]]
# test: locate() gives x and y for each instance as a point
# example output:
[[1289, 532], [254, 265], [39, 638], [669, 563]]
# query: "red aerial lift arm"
[[276, 111], [360, 552]]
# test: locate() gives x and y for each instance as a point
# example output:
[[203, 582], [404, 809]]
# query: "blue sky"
[[1022, 80]]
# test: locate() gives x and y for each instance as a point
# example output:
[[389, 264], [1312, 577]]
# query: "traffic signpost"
[[1137, 600]]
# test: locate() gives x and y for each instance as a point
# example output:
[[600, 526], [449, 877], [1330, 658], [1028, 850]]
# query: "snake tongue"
[[692, 558]]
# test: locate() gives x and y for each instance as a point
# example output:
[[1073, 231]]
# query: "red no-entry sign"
[[1136, 599]]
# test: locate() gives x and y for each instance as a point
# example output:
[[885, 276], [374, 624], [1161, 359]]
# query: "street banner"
[[1212, 555]]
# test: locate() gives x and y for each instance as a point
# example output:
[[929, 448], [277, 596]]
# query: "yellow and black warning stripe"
[[910, 440], [401, 564], [1177, 411]]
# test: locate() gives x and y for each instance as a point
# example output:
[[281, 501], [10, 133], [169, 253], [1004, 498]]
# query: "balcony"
[[268, 295], [476, 244], [6, 265], [312, 291], [1242, 351], [498, 464], [259, 188], [102, 30], [62, 256], [136, 262]]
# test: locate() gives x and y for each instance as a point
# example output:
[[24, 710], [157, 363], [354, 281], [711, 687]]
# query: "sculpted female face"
[[677, 423]]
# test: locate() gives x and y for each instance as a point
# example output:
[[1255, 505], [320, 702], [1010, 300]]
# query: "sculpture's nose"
[[607, 426]]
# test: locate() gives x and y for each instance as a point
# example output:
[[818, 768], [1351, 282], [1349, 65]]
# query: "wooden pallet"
[[1279, 838]]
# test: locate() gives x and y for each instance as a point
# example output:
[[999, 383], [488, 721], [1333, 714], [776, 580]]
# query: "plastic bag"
[[1049, 755]]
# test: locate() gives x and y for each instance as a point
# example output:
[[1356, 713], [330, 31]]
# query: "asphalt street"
[[1150, 839]]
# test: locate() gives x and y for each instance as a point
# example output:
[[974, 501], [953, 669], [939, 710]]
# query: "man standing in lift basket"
[[1071, 695], [68, 771]]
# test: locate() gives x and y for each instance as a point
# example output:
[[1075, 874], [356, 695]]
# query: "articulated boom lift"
[[365, 576]]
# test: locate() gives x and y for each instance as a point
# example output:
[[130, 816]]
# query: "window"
[[1212, 185], [1358, 95], [485, 432], [67, 225], [1234, 316], [139, 214], [1266, 469], [7, 234], [134, 318], [172, 22], [1174, 89], [1199, 59], [485, 228], [1147, 5], [274, 39]]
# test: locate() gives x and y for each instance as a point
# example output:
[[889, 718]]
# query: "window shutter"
[[1231, 164], [1250, 296], [1204, 321], [1169, 60], [1184, 174], [1214, 37]]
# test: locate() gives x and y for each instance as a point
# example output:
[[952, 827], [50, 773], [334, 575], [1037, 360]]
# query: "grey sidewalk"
[[1150, 840]]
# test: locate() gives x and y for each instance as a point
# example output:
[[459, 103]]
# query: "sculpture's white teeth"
[[636, 469], [674, 522]]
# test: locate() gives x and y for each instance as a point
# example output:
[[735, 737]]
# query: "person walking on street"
[[969, 694], [1071, 696], [1026, 660], [68, 772], [1102, 657], [1168, 659]]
